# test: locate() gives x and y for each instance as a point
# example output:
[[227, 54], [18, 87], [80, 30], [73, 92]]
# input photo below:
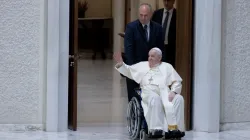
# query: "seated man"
[[163, 106]]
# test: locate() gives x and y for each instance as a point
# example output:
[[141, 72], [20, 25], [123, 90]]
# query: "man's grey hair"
[[146, 4], [158, 51]]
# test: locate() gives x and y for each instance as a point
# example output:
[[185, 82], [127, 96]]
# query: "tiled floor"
[[115, 133]]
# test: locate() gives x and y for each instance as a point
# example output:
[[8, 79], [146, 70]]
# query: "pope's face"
[[153, 58]]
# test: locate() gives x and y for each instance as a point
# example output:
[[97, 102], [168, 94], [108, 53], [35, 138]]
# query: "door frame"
[[57, 50], [56, 30], [56, 42], [73, 60]]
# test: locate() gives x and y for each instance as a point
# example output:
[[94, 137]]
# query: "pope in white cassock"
[[160, 84]]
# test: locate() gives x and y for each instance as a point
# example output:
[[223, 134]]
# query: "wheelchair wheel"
[[134, 118], [143, 135]]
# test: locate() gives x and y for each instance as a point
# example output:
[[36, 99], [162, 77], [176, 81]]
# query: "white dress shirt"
[[169, 20]]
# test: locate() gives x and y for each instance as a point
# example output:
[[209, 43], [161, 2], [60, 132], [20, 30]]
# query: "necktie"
[[165, 24], [146, 31]]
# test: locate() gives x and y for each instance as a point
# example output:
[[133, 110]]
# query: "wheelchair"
[[136, 122]]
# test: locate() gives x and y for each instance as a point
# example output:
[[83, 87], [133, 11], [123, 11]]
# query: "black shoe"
[[155, 134], [167, 135], [175, 134], [182, 134]]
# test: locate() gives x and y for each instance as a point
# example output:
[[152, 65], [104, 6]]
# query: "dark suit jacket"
[[157, 17], [135, 43]]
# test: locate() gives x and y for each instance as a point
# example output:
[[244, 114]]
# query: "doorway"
[[91, 90], [184, 54]]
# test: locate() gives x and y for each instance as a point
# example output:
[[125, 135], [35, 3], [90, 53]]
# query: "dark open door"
[[73, 55]]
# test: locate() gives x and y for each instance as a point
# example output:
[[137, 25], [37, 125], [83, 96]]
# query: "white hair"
[[158, 51]]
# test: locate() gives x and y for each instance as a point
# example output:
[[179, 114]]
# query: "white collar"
[[146, 24], [170, 11], [156, 66]]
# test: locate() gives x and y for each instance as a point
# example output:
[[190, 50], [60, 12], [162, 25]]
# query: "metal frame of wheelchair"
[[137, 126], [135, 119]]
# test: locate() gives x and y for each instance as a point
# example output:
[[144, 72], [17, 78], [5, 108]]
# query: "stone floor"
[[114, 133], [100, 88]]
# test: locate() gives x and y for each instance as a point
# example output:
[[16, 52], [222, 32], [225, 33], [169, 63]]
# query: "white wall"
[[235, 101], [22, 64]]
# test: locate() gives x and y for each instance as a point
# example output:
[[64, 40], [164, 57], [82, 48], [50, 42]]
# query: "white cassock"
[[159, 112]]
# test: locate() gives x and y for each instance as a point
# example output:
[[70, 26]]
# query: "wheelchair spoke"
[[133, 118], [129, 118]]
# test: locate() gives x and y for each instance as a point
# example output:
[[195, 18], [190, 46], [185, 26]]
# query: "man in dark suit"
[[141, 36], [167, 18]]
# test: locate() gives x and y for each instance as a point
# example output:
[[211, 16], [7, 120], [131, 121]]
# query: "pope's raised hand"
[[118, 57]]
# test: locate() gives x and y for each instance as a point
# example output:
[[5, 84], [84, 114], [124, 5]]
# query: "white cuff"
[[118, 65]]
